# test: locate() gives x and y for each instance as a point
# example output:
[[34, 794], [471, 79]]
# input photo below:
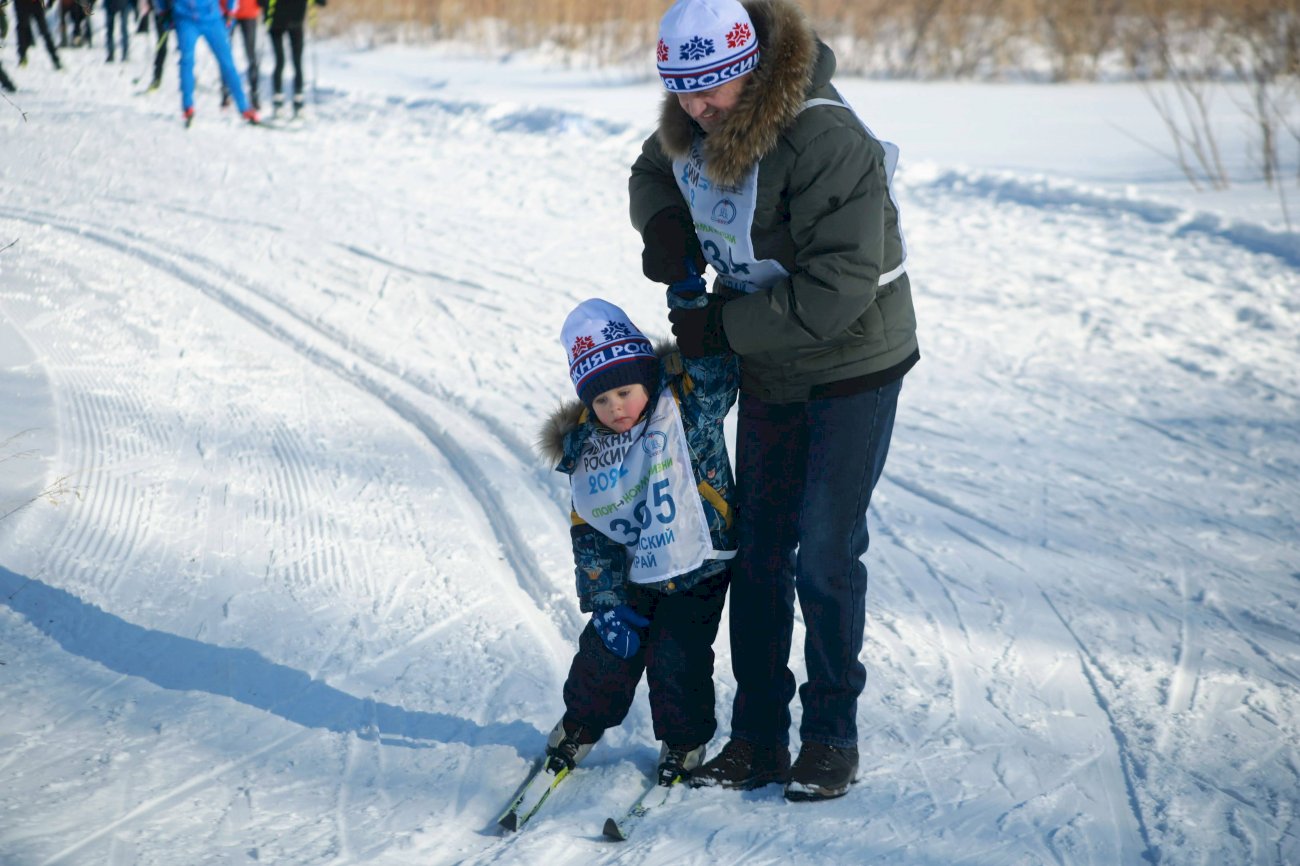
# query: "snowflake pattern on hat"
[[616, 331], [580, 345], [739, 35], [697, 49]]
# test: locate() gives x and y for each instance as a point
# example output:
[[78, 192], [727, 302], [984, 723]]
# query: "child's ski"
[[531, 795], [622, 828]]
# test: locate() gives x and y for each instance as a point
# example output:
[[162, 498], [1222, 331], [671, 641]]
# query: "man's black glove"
[[670, 242], [699, 329]]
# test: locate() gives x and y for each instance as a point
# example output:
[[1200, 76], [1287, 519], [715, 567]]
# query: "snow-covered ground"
[[311, 600]]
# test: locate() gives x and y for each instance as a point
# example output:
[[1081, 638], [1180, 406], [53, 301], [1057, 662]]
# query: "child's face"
[[620, 408]]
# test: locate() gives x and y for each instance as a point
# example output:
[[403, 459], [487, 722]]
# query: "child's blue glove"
[[618, 630], [689, 292]]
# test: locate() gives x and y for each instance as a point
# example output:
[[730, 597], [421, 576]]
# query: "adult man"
[[760, 170]]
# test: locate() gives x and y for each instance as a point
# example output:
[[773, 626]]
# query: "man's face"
[[710, 107]]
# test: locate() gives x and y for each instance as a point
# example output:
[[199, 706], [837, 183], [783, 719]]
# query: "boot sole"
[[798, 792], [751, 784]]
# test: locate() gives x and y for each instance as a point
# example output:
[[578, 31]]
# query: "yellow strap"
[[673, 364], [714, 498]]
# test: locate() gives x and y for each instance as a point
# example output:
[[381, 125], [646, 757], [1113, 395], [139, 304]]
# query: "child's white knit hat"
[[606, 350]]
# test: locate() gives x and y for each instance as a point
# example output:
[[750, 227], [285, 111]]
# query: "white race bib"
[[724, 221], [724, 216], [638, 489]]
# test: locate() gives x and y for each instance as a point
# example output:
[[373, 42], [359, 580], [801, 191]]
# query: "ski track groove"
[[915, 743], [342, 799], [102, 537], [522, 451], [940, 501], [1181, 696], [85, 541], [1264, 654], [1090, 667], [516, 550], [175, 795], [885, 527], [512, 544], [294, 500]]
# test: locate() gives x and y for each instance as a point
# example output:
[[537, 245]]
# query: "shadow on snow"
[[182, 664]]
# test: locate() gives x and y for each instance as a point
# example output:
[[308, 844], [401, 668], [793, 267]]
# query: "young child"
[[192, 19], [651, 533]]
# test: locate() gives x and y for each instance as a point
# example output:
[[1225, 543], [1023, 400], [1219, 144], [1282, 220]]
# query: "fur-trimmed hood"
[[572, 414], [792, 64]]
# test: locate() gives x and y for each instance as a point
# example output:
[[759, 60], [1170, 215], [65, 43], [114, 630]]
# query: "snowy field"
[[311, 601]]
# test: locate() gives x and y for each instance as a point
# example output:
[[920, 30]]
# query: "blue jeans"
[[805, 472], [120, 16], [214, 33]]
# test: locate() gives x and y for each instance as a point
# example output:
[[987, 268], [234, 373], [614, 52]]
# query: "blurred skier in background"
[[27, 12], [161, 26], [287, 18], [5, 83], [192, 19], [244, 19], [115, 12]]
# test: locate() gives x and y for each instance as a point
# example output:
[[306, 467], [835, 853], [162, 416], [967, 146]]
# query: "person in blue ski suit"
[[659, 621], [192, 19]]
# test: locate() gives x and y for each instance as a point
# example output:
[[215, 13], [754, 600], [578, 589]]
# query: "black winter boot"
[[822, 772], [743, 765]]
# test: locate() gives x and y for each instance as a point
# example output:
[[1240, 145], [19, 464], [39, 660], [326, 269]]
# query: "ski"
[[535, 790], [622, 828], [291, 125]]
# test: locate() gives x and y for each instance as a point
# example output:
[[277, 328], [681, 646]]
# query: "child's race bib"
[[638, 489]]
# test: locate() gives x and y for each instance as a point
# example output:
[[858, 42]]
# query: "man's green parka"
[[824, 211]]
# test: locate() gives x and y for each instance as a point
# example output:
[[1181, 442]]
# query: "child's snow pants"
[[676, 656]]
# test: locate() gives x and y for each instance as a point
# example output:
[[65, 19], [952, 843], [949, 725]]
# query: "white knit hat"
[[705, 43], [606, 350]]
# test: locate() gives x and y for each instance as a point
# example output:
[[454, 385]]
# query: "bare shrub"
[[1263, 49], [1185, 111], [1076, 33], [969, 38]]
